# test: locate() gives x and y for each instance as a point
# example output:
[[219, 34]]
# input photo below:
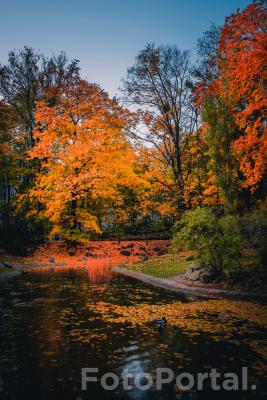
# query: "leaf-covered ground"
[[113, 252]]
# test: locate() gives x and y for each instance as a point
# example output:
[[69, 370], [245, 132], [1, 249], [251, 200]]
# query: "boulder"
[[193, 274], [161, 252], [196, 267], [125, 253], [156, 249], [7, 264]]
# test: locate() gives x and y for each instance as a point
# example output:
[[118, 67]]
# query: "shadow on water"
[[55, 324]]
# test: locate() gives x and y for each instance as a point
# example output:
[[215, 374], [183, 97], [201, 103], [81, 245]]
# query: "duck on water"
[[159, 322]]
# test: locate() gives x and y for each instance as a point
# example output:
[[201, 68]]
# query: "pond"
[[54, 324]]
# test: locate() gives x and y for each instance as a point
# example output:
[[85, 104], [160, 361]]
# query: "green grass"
[[4, 269], [161, 266]]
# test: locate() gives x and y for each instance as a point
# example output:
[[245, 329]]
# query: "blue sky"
[[105, 35]]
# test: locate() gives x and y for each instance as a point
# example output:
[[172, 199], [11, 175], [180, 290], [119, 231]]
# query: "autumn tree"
[[26, 77], [87, 164], [207, 66], [244, 64], [9, 168], [232, 103], [160, 85]]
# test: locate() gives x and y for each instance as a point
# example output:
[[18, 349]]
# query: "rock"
[[156, 249], [129, 246], [125, 253], [145, 257], [196, 267], [193, 273], [207, 276], [7, 264], [38, 300], [160, 252]]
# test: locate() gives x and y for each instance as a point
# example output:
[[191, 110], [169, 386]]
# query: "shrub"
[[254, 233], [20, 232], [254, 228], [214, 238]]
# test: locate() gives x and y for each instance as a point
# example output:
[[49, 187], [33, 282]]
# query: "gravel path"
[[177, 284]]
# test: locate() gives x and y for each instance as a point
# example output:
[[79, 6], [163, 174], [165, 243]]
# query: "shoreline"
[[176, 286], [11, 274]]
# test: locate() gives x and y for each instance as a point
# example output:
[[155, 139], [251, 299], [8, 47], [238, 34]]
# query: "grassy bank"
[[4, 270], [161, 266]]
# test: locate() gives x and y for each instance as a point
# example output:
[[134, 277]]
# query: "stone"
[[160, 252], [130, 246], [193, 274], [7, 264], [145, 257], [156, 249], [195, 267], [125, 253]]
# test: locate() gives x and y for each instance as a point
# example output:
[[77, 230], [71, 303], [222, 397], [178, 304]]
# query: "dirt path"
[[177, 284]]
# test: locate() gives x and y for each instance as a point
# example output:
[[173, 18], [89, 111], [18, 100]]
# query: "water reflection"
[[54, 324]]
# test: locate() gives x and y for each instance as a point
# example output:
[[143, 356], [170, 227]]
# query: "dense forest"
[[181, 152]]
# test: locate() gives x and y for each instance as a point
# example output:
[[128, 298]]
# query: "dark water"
[[51, 328]]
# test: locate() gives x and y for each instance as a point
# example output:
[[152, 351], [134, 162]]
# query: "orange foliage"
[[86, 160], [96, 258], [242, 61], [244, 58]]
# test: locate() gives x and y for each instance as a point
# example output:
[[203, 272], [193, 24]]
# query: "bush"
[[254, 228], [20, 233], [254, 232], [214, 237]]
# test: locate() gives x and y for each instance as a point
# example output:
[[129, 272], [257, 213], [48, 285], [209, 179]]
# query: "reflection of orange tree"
[[99, 271]]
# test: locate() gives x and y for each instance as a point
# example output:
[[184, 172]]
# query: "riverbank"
[[6, 273], [178, 283]]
